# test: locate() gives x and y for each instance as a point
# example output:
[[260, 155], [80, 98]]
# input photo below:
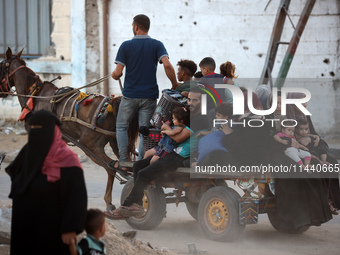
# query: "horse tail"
[[133, 132]]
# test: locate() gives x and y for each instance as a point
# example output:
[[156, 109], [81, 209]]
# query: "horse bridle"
[[4, 71]]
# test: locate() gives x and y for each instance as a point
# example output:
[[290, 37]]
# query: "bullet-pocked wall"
[[239, 31], [93, 44]]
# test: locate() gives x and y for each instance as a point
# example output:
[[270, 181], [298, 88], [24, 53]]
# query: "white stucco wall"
[[234, 30], [239, 31]]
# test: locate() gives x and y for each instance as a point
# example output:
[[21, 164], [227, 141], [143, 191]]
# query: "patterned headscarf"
[[32, 158], [263, 92]]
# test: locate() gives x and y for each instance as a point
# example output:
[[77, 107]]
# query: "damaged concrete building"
[[79, 39]]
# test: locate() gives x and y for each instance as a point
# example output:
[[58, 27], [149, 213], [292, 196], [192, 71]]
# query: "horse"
[[81, 126]]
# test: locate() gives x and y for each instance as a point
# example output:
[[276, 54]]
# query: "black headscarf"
[[28, 163]]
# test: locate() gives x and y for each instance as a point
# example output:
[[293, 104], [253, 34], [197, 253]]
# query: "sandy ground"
[[179, 229], [95, 177]]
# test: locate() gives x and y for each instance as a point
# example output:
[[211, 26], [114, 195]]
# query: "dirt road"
[[179, 228]]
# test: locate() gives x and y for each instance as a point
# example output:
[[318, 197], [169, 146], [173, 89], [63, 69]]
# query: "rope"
[[63, 94]]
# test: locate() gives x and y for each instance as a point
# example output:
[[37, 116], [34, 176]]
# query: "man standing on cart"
[[140, 56], [144, 172]]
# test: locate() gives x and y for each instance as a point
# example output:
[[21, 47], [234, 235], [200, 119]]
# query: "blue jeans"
[[127, 109]]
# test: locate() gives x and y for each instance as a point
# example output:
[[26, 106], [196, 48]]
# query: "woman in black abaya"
[[48, 191], [331, 183], [299, 202]]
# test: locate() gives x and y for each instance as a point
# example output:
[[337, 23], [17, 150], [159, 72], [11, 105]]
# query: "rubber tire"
[[156, 207], [230, 198], [220, 182], [273, 220], [193, 207]]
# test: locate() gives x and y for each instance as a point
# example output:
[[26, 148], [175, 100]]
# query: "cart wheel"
[[220, 182], [193, 207], [218, 214], [274, 220], [153, 202]]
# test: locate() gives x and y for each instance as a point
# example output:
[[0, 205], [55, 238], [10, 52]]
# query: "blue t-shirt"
[[140, 56]]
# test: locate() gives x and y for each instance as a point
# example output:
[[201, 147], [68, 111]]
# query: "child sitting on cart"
[[312, 142], [181, 119], [223, 112], [212, 140], [285, 137]]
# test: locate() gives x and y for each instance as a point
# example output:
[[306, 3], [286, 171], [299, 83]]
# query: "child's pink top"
[[280, 134]]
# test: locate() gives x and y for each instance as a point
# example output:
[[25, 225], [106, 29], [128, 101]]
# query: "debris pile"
[[124, 243]]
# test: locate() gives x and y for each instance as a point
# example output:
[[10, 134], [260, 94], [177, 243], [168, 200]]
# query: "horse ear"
[[20, 52], [8, 53]]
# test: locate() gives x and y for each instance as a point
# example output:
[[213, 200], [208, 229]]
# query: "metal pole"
[[105, 47], [294, 42], [275, 37]]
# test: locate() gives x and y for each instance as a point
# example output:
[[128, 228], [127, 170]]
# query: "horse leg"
[[96, 147], [114, 146], [110, 181], [108, 192]]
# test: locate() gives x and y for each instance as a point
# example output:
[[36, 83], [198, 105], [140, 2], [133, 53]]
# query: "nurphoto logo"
[[238, 100]]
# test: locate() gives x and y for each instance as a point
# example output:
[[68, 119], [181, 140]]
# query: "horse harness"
[[61, 94], [28, 105], [72, 114], [60, 91], [34, 89], [4, 71]]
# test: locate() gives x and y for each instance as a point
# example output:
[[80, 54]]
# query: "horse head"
[[8, 68]]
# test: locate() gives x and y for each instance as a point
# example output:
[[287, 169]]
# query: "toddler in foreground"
[[95, 228]]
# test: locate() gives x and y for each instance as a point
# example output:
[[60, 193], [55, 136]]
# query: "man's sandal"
[[114, 215], [132, 210], [123, 173]]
